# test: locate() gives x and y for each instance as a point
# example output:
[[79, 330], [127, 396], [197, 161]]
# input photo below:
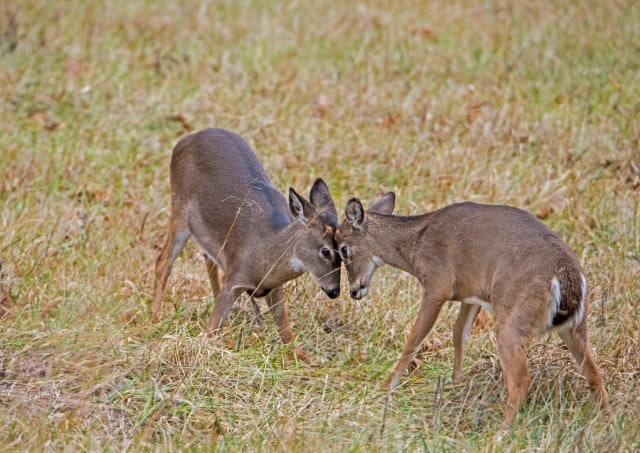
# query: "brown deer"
[[499, 258], [221, 194]]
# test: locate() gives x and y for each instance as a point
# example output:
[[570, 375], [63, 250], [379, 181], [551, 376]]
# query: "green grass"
[[530, 104]]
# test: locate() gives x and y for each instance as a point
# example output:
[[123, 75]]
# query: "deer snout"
[[332, 293], [358, 291]]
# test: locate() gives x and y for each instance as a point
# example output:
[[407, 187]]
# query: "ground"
[[529, 104]]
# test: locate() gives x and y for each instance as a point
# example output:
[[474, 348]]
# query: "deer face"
[[317, 253], [360, 262], [356, 247], [315, 249]]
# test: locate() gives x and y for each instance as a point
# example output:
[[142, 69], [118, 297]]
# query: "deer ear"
[[384, 205], [321, 199], [355, 213], [300, 208]]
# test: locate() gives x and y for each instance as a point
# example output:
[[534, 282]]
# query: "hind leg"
[[213, 272], [177, 237], [512, 352], [256, 311], [466, 316], [578, 343]]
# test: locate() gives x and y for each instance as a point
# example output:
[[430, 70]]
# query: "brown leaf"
[[322, 105], [102, 196], [387, 121], [432, 345], [483, 321], [38, 116], [544, 212], [424, 31], [51, 125], [473, 110], [128, 317], [44, 120], [182, 119], [73, 67]]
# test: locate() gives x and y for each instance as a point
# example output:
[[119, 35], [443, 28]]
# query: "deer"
[[498, 258], [253, 240]]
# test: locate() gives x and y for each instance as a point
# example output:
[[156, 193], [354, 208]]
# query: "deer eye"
[[344, 251], [325, 252]]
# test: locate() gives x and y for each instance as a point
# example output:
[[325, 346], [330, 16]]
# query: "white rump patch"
[[583, 300], [554, 306], [584, 288], [556, 298]]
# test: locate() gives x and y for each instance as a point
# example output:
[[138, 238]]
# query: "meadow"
[[532, 104]]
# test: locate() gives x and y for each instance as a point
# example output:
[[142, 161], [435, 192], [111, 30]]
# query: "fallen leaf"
[[182, 119], [544, 212], [322, 105], [474, 109], [483, 321], [387, 121]]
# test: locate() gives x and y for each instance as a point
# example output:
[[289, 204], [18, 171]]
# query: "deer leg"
[[213, 272], [429, 310], [177, 237], [224, 303], [511, 349], [578, 343], [279, 310], [256, 311], [466, 316]]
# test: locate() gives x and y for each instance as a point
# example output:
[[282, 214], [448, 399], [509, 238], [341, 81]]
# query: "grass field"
[[534, 104]]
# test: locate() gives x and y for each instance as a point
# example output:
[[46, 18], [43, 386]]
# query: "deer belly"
[[260, 292]]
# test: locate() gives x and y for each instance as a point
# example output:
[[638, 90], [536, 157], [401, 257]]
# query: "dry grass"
[[530, 104]]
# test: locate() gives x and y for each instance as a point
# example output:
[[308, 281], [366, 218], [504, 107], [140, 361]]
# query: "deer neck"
[[389, 236], [280, 251]]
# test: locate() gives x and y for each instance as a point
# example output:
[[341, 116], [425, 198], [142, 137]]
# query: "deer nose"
[[332, 293], [358, 293]]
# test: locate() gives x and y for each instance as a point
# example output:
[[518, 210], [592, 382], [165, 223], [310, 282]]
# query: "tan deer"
[[222, 196], [498, 258]]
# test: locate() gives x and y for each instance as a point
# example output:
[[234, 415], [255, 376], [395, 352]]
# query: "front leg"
[[228, 294], [429, 310], [279, 309]]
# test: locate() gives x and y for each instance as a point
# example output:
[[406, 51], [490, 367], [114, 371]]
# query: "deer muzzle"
[[358, 292], [332, 293]]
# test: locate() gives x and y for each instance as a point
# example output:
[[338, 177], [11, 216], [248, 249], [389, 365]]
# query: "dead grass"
[[534, 105]]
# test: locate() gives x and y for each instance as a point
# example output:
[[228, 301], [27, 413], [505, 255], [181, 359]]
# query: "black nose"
[[333, 293], [353, 293]]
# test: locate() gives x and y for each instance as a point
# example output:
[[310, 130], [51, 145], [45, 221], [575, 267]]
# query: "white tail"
[[222, 196], [499, 258]]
